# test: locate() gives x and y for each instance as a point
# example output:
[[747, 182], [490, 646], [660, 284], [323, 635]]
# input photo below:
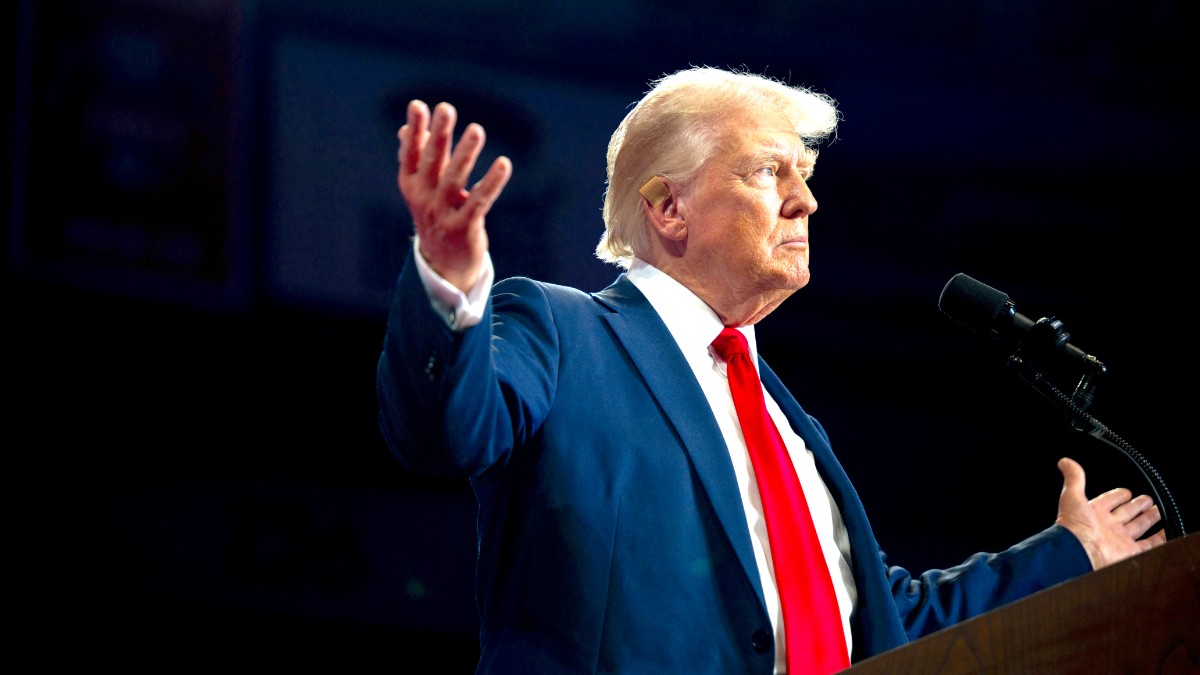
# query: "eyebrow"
[[798, 155]]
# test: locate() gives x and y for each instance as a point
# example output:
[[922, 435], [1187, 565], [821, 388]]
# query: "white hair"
[[673, 130]]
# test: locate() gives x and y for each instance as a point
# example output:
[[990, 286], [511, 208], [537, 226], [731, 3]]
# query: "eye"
[[767, 171]]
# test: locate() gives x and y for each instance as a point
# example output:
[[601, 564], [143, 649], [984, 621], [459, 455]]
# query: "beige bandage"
[[655, 191]]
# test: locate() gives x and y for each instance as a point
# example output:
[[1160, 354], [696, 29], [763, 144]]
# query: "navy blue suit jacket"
[[611, 532]]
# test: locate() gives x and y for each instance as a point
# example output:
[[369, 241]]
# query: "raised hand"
[[449, 218], [1110, 526]]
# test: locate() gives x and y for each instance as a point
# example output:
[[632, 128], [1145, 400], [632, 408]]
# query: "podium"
[[1141, 615]]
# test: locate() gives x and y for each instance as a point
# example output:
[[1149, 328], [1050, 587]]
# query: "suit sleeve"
[[456, 403], [939, 598]]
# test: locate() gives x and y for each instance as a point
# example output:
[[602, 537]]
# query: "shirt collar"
[[692, 323]]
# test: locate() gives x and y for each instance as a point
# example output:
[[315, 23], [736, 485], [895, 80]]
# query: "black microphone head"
[[975, 304]]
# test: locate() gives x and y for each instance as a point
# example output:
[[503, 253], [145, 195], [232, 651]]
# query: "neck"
[[734, 306], [741, 312]]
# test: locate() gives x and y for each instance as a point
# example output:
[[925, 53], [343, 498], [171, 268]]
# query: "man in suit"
[[621, 524]]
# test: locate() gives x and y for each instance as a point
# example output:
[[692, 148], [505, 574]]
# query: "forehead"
[[748, 135]]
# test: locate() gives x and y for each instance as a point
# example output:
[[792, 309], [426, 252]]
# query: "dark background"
[[204, 229]]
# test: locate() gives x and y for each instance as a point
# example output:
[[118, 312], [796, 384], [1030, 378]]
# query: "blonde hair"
[[674, 129]]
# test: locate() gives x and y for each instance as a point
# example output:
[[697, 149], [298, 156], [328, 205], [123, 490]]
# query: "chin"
[[799, 278]]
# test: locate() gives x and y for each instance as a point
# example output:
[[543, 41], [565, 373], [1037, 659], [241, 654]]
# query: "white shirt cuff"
[[460, 310]]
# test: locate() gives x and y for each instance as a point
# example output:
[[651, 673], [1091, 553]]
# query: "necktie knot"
[[730, 343]]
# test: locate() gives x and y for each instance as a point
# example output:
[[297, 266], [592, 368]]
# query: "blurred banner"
[[127, 171]]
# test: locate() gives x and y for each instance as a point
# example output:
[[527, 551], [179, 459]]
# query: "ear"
[[661, 208]]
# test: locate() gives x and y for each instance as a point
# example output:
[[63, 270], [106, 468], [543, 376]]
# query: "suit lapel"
[[653, 351], [829, 468]]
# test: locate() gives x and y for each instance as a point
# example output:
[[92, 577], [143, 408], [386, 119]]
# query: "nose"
[[800, 201]]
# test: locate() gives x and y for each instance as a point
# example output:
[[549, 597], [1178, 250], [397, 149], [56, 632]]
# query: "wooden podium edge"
[[1141, 615]]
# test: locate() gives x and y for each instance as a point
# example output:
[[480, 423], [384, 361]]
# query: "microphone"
[[986, 310], [990, 312]]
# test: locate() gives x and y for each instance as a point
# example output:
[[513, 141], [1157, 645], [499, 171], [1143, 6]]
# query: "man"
[[622, 524]]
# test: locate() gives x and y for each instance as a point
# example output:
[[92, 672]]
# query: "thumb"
[[1072, 475], [1074, 480]]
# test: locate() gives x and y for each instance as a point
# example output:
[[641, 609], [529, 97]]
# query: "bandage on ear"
[[655, 191]]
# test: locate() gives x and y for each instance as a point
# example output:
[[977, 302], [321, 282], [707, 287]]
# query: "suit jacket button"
[[761, 641]]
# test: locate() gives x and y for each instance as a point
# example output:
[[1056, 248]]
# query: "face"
[[747, 210]]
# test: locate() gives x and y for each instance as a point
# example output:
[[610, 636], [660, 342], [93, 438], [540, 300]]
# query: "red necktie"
[[811, 619]]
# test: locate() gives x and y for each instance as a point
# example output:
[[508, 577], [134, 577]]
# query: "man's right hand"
[[449, 218]]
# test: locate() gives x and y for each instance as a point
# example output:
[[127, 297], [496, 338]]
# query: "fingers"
[[442, 167], [413, 136], [437, 151], [1156, 539], [425, 141], [1135, 515], [1128, 509], [1114, 498], [461, 164], [1138, 515], [485, 192]]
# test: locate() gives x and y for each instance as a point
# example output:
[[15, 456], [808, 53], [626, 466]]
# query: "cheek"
[[744, 228]]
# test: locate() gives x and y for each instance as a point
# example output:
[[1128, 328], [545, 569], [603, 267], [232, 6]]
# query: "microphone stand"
[[1042, 339]]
